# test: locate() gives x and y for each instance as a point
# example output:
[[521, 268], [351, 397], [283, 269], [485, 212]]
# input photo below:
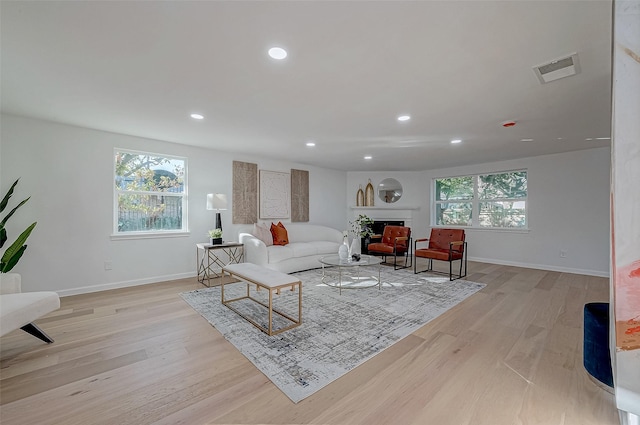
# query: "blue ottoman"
[[597, 360]]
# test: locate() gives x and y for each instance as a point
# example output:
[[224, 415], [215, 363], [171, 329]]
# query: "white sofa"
[[307, 244], [19, 309]]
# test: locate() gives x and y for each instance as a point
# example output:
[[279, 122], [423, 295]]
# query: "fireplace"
[[378, 225]]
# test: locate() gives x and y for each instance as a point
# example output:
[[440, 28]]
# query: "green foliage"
[[14, 252], [504, 185], [454, 188], [215, 233], [362, 226], [141, 172]]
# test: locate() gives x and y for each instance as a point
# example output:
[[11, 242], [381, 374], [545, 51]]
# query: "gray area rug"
[[338, 331]]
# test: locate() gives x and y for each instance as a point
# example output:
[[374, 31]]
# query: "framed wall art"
[[275, 194]]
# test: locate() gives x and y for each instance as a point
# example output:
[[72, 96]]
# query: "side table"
[[211, 258]]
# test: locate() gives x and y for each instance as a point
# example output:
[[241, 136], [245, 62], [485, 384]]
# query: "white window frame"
[[149, 233], [475, 203]]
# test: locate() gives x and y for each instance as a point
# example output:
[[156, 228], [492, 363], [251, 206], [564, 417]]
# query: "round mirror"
[[389, 190]]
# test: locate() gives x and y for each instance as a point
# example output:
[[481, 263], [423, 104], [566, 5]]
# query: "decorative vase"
[[355, 246], [360, 197], [216, 241], [368, 195], [343, 252]]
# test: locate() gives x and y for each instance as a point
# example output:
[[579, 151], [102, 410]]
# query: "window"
[[497, 200], [150, 193]]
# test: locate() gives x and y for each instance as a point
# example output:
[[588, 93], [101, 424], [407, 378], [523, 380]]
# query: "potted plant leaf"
[[215, 236], [12, 254]]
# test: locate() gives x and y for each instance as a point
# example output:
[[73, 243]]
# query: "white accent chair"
[[19, 309]]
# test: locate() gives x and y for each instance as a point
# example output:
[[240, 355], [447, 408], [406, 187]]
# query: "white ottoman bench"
[[272, 281]]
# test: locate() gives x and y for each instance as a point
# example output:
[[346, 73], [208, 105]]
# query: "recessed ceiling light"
[[311, 144], [404, 118], [603, 138], [277, 53], [197, 116], [456, 141], [526, 140], [588, 138], [368, 157]]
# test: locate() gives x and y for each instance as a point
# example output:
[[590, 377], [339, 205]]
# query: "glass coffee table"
[[349, 274]]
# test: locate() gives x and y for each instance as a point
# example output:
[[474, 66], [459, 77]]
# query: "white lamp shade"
[[216, 201]]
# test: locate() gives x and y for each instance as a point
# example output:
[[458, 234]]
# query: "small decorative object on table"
[[355, 257], [343, 250], [361, 228], [215, 236]]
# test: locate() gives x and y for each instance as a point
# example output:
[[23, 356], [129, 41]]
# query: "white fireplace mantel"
[[381, 213]]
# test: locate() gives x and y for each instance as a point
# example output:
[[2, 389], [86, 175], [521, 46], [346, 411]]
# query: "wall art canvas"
[[275, 194]]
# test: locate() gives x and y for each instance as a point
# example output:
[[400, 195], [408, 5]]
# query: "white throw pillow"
[[262, 232]]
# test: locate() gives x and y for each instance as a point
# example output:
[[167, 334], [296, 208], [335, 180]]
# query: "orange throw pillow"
[[279, 233]]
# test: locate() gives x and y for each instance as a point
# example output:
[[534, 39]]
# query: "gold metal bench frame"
[[269, 331]]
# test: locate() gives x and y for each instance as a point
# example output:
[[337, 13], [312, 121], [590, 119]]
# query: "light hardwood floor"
[[510, 354]]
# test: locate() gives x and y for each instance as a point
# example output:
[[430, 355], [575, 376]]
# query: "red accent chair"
[[396, 241], [444, 245]]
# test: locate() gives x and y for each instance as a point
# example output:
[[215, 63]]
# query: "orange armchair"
[[396, 241], [444, 245]]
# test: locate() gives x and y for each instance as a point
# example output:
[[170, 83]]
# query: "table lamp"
[[217, 202]]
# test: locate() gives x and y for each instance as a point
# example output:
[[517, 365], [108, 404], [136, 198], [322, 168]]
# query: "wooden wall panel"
[[299, 195], [245, 192]]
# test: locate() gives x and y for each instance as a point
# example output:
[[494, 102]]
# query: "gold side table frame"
[[210, 259]]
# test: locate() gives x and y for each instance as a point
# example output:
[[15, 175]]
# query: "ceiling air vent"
[[557, 69]]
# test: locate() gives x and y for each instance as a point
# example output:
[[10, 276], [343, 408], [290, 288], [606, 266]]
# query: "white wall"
[[68, 172], [568, 209]]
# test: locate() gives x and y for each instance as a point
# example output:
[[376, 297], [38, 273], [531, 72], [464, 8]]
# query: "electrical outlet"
[[563, 253], [108, 265]]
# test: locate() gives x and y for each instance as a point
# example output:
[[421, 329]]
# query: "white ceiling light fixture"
[[197, 116], [556, 69], [526, 140], [277, 53], [603, 138], [310, 144], [456, 141], [368, 157], [404, 118]]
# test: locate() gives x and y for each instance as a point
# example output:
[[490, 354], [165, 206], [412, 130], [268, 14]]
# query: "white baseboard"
[[156, 279], [598, 273], [123, 284]]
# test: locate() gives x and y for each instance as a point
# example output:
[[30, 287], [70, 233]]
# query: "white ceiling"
[[459, 68]]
